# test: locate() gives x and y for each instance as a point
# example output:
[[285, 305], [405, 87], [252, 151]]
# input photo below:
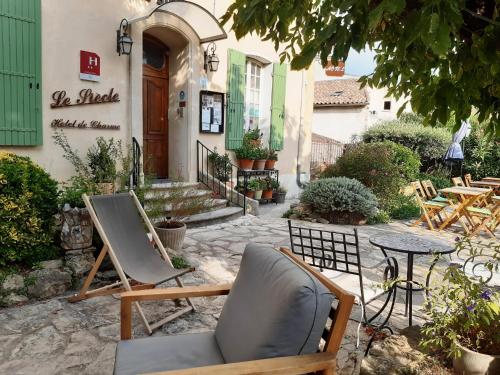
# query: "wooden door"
[[155, 108]]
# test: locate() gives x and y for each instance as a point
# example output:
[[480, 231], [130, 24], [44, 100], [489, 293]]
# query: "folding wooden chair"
[[457, 181], [431, 192], [120, 220], [486, 219], [430, 209], [468, 179]]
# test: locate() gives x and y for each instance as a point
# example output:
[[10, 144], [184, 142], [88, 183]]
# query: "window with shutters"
[[254, 93], [20, 73]]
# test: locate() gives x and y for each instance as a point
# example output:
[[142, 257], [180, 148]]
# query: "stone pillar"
[[77, 228]]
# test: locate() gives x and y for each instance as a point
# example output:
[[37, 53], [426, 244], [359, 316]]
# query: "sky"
[[358, 64]]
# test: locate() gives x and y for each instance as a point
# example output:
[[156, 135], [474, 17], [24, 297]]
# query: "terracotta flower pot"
[[171, 236], [258, 194], [250, 194], [474, 363], [246, 164], [267, 194], [270, 164], [259, 164]]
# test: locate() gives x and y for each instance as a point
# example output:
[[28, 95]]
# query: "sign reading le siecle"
[[86, 96]]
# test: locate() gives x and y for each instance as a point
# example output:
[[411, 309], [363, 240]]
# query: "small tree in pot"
[[245, 156], [260, 159], [168, 211]]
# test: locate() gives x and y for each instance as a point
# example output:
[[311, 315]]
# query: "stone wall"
[[51, 278]]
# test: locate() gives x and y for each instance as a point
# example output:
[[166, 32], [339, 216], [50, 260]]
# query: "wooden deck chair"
[[457, 181], [430, 209], [431, 192], [468, 179], [120, 220]]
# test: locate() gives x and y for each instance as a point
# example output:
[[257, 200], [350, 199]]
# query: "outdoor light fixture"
[[123, 41], [211, 59]]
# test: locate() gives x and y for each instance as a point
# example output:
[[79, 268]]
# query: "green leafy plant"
[[481, 155], [330, 196], [464, 311], [255, 185], [440, 177], [222, 167], [179, 262], [385, 167], [272, 155], [429, 143], [381, 217], [102, 158], [442, 56], [28, 203], [260, 154], [245, 152], [73, 190], [402, 207]]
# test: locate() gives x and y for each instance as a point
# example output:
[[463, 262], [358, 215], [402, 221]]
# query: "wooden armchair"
[[265, 310]]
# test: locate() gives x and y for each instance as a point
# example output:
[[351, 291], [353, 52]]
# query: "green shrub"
[[222, 167], [440, 178], [28, 202], [72, 191], [481, 155], [429, 143], [403, 207], [381, 217], [384, 167], [329, 195]]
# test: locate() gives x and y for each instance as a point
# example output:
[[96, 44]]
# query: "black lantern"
[[123, 41], [211, 59]]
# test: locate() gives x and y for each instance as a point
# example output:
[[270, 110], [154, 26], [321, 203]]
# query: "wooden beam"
[[175, 293]]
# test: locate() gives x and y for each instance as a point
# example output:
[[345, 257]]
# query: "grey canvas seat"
[[121, 223], [275, 308], [127, 236]]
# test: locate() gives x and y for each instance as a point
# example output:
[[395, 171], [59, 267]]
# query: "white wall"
[[340, 123]]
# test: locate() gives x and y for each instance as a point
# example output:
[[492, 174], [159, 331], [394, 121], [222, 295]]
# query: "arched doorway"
[[155, 99]]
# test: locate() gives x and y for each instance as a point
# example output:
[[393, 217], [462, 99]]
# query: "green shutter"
[[278, 106], [20, 73], [235, 117]]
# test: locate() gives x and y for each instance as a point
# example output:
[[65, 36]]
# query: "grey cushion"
[[164, 353], [275, 308]]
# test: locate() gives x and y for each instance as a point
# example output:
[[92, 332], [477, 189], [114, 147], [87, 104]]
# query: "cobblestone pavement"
[[56, 337]]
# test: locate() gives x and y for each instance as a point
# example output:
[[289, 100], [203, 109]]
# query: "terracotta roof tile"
[[339, 92]]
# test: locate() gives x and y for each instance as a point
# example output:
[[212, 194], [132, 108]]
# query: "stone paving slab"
[[56, 337]]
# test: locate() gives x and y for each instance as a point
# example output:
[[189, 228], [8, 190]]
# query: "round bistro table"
[[411, 245]]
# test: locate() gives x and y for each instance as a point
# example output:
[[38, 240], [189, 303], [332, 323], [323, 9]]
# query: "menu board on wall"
[[211, 112]]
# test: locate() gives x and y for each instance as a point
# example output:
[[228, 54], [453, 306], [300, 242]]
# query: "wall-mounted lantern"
[[123, 41], [211, 59]]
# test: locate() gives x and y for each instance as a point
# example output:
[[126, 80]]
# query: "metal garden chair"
[[337, 256]]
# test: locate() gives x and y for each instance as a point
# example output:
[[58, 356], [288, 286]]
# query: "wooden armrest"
[[175, 293], [128, 298], [295, 365]]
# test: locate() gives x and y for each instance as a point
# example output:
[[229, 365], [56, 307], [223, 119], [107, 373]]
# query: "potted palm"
[[465, 320], [168, 211], [272, 157]]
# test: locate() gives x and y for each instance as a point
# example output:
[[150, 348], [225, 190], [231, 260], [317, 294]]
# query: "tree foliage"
[[444, 54]]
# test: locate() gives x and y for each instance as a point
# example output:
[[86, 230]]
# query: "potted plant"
[[280, 194], [245, 156], [253, 138], [272, 157], [465, 319], [260, 155], [258, 188], [168, 211], [253, 186], [270, 185], [76, 225], [221, 166]]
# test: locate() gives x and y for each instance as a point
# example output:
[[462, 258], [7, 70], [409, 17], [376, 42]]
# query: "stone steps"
[[214, 217]]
